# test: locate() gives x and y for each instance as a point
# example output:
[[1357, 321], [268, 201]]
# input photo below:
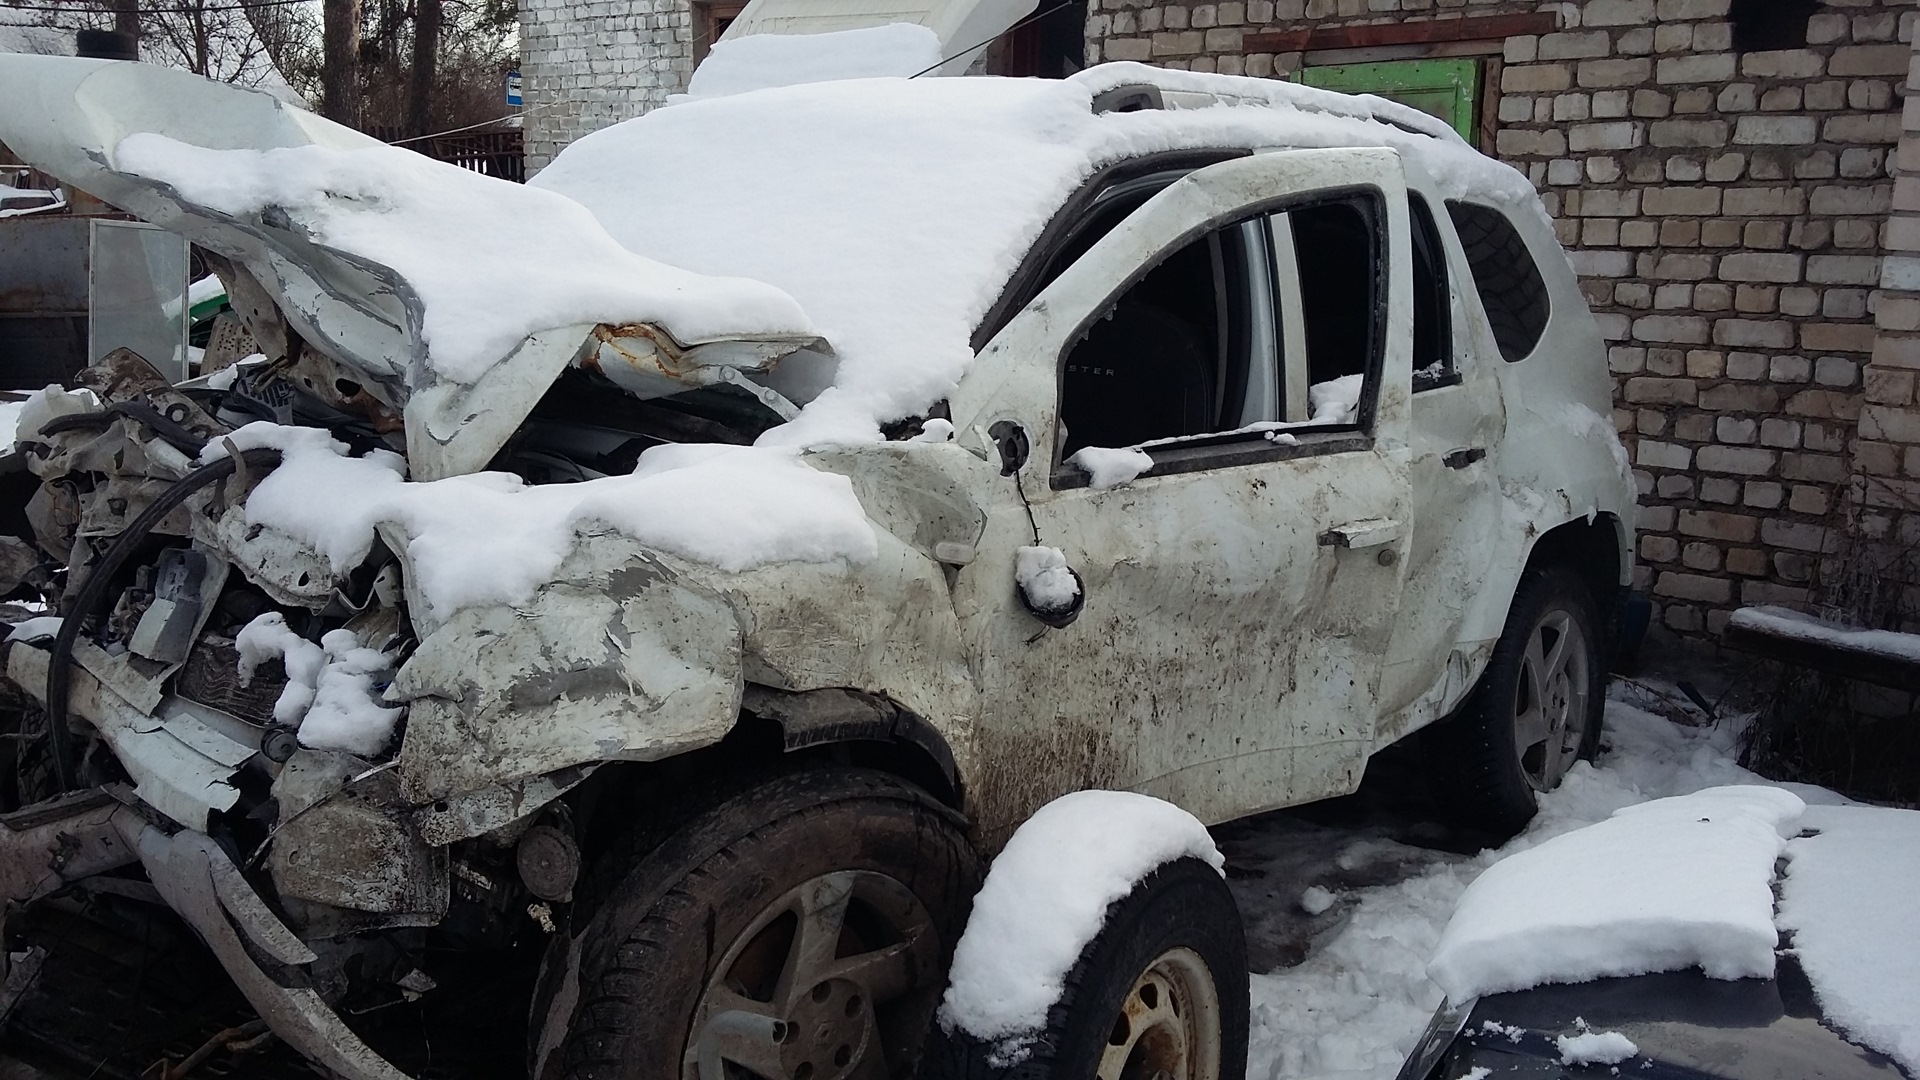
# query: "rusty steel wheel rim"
[[1550, 704], [833, 980], [1169, 1024]]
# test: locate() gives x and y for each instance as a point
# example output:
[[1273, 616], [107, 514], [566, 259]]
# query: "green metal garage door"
[[1448, 89]]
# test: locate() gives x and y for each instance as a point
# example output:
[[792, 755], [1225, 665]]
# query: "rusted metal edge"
[[1417, 32]]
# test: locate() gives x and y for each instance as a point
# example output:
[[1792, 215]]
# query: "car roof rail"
[[1134, 98]]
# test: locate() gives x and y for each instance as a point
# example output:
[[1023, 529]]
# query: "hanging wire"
[[1036, 16]]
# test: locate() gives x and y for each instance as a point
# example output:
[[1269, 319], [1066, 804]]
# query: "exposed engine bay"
[[193, 658]]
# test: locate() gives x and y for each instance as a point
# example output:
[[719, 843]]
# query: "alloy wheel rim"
[[831, 981], [1550, 702], [1169, 1024]]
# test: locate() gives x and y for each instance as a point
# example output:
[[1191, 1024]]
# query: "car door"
[[1456, 423], [1240, 593]]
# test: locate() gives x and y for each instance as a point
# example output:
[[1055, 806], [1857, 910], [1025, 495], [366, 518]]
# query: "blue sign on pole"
[[513, 88]]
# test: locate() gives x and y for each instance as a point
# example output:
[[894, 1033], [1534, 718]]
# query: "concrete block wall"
[[1728, 213], [587, 64]]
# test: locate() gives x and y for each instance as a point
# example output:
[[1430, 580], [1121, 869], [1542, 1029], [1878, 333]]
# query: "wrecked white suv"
[[661, 607]]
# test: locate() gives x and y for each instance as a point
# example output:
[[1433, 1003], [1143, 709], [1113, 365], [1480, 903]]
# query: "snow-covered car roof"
[[895, 210]]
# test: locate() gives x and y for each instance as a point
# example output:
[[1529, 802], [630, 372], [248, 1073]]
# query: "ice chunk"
[[1594, 1047], [1669, 884], [1314, 900], [1108, 467], [1046, 897], [759, 61]]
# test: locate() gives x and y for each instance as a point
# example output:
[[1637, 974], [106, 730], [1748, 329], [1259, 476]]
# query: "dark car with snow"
[[663, 585], [1664, 942]]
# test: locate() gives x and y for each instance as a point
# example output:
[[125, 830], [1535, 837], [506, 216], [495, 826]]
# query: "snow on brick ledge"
[[1799, 626], [1670, 884]]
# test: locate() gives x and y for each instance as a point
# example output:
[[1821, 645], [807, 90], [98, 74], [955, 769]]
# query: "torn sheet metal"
[[170, 772]]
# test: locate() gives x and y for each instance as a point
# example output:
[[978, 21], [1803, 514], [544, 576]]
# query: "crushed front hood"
[[70, 116]]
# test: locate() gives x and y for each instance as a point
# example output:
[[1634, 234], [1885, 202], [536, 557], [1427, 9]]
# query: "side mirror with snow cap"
[[1049, 589]]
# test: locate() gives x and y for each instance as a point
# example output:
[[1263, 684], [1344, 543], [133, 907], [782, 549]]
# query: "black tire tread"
[[1478, 780], [660, 900]]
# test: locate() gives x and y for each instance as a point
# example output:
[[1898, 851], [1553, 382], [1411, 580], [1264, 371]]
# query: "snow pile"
[[1106, 467], [759, 61], [1785, 622], [1848, 900], [1355, 1007], [895, 211], [1669, 884], [330, 694], [1594, 1047], [268, 637], [1046, 897], [1045, 580], [490, 538], [1336, 401], [490, 261]]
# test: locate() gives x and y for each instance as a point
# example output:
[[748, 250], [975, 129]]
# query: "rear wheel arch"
[[1597, 550]]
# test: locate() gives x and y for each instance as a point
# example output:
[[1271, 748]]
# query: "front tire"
[[1161, 991], [799, 930], [1536, 710]]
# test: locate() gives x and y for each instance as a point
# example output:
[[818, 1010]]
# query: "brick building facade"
[[1737, 217], [1722, 171]]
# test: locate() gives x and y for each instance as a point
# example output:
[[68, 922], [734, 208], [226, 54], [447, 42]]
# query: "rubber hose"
[[93, 591]]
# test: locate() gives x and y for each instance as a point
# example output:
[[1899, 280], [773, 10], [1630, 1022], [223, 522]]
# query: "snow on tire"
[[1105, 945]]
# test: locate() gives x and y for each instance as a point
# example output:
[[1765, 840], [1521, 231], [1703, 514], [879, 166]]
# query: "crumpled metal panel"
[[167, 757], [348, 844], [621, 656]]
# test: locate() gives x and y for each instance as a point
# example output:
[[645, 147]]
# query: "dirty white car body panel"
[[1254, 628]]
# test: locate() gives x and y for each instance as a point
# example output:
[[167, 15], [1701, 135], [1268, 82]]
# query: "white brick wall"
[[586, 64]]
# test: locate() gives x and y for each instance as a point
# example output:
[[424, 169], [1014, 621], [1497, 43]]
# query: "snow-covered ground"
[[1366, 901]]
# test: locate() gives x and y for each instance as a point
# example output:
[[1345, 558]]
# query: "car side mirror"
[[1011, 442]]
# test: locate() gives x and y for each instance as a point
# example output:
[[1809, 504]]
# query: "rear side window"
[[1510, 287]]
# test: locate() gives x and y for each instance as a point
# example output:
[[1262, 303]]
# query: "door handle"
[[1371, 532], [1463, 457]]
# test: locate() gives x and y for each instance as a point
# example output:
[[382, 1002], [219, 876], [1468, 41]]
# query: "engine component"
[[165, 630], [549, 862]]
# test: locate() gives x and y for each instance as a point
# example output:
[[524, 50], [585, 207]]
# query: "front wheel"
[[1536, 710], [1159, 994], [800, 930]]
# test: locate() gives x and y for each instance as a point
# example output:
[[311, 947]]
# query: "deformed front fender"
[[619, 657]]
